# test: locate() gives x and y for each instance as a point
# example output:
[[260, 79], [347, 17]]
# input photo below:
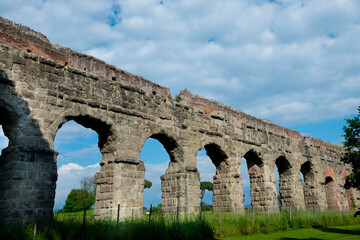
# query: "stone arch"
[[350, 195], [171, 146], [171, 185], [105, 128], [94, 120], [331, 189], [219, 158], [256, 172], [169, 142]]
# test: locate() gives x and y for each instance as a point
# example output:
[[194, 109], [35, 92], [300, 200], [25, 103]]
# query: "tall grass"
[[69, 226], [213, 224]]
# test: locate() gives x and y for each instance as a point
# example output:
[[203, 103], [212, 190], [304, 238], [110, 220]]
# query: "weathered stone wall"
[[42, 86]]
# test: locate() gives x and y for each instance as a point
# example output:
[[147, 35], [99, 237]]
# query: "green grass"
[[213, 225], [69, 226], [268, 223], [344, 232]]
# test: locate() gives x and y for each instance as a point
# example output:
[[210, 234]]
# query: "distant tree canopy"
[[148, 184], [352, 155], [205, 186], [80, 199]]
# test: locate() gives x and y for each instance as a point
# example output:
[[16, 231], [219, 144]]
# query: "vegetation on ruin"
[[352, 155], [212, 225]]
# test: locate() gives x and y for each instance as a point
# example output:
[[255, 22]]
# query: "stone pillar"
[[228, 192], [262, 187], [27, 183], [314, 195], [120, 181], [290, 184], [180, 187]]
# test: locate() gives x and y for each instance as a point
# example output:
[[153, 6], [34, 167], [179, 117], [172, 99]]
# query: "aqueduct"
[[42, 86]]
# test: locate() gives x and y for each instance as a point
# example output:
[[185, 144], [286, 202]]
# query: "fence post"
[[117, 219], [150, 215], [290, 212], [83, 226], [35, 225], [279, 214], [318, 215], [237, 215], [219, 216], [177, 214], [253, 216]]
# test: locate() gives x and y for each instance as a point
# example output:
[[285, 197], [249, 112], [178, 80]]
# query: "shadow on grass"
[[72, 228], [287, 238], [341, 231]]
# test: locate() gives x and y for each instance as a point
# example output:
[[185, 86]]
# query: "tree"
[[352, 155], [148, 184], [205, 186], [81, 199]]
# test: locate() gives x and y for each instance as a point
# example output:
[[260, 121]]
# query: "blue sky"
[[295, 63]]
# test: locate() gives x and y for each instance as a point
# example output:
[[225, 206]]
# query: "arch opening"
[[212, 173], [256, 179], [156, 158], [308, 180], [245, 179], [102, 129], [331, 189], [78, 142], [282, 166], [168, 143], [4, 141], [8, 123], [207, 172]]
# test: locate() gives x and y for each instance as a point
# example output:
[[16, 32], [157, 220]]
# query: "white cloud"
[[257, 56], [154, 171], [71, 131], [76, 143], [206, 168], [83, 153], [69, 177]]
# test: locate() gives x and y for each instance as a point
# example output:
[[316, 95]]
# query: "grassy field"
[[344, 232], [212, 226], [228, 224]]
